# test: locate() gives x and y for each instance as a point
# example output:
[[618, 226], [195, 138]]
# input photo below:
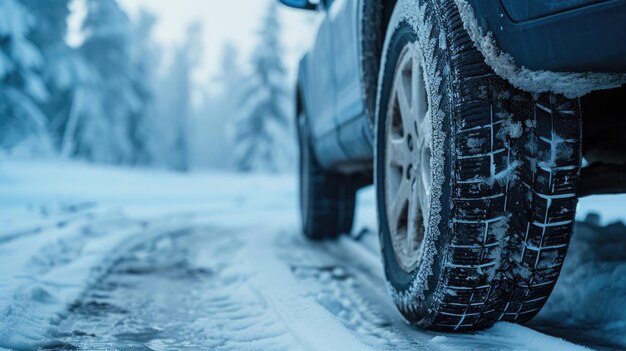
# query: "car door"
[[354, 135], [321, 94], [320, 82], [343, 17]]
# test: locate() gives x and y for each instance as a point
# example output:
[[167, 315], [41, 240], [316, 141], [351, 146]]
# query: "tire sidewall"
[[415, 291]]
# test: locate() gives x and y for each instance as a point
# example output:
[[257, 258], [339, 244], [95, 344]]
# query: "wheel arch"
[[300, 91], [299, 101], [388, 6], [375, 17]]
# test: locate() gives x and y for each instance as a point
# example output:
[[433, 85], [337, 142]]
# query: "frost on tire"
[[504, 173], [551, 149]]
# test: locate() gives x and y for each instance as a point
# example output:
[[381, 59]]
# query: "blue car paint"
[[558, 35], [555, 35]]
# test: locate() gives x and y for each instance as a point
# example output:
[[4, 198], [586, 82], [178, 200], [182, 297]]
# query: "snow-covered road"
[[101, 259]]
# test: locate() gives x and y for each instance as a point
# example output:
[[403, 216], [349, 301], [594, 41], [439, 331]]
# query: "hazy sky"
[[236, 21]]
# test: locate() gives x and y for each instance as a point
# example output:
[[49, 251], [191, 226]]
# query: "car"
[[473, 119]]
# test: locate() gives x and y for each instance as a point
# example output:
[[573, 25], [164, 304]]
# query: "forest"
[[119, 98]]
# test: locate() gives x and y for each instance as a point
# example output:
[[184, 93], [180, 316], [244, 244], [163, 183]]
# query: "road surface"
[[101, 259]]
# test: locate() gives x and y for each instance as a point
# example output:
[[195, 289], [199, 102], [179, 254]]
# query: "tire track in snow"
[[52, 271], [346, 278], [258, 289], [193, 290], [49, 218]]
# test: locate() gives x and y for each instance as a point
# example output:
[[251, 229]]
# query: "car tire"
[[327, 199], [489, 174]]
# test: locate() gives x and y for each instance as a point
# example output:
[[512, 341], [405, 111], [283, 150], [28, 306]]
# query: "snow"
[[151, 192], [612, 208], [511, 128], [11, 20], [505, 175], [63, 226], [94, 257], [21, 87], [570, 84], [261, 128], [592, 289], [503, 333], [79, 242]]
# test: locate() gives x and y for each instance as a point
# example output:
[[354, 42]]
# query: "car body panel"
[[324, 132], [331, 84], [555, 35], [558, 35], [320, 91], [343, 17], [357, 140], [521, 11]]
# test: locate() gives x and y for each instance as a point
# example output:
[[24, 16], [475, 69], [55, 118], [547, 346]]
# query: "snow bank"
[[43, 274], [610, 206], [570, 84], [513, 335], [140, 192], [591, 292], [62, 225]]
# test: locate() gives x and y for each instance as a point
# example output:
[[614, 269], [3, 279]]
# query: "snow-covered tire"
[[503, 174], [327, 199]]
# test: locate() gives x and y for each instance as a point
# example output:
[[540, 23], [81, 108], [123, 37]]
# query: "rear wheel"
[[327, 199], [476, 180]]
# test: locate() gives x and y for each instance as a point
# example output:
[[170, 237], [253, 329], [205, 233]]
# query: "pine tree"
[[107, 125], [144, 57], [175, 97], [212, 145], [21, 87], [230, 69], [64, 71], [262, 132]]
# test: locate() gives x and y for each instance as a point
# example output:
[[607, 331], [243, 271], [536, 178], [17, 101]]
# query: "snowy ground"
[[99, 258]]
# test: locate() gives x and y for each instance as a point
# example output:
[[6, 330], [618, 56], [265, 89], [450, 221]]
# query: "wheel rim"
[[407, 156]]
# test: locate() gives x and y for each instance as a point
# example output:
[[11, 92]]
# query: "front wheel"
[[476, 180]]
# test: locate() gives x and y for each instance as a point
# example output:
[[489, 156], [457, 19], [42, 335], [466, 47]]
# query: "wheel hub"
[[407, 155]]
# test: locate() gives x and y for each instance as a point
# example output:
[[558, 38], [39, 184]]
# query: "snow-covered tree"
[[145, 55], [212, 147], [102, 101], [175, 97], [21, 88], [109, 113], [230, 74], [64, 71], [96, 127], [261, 133]]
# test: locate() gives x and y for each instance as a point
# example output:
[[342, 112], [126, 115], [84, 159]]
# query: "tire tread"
[[493, 270]]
